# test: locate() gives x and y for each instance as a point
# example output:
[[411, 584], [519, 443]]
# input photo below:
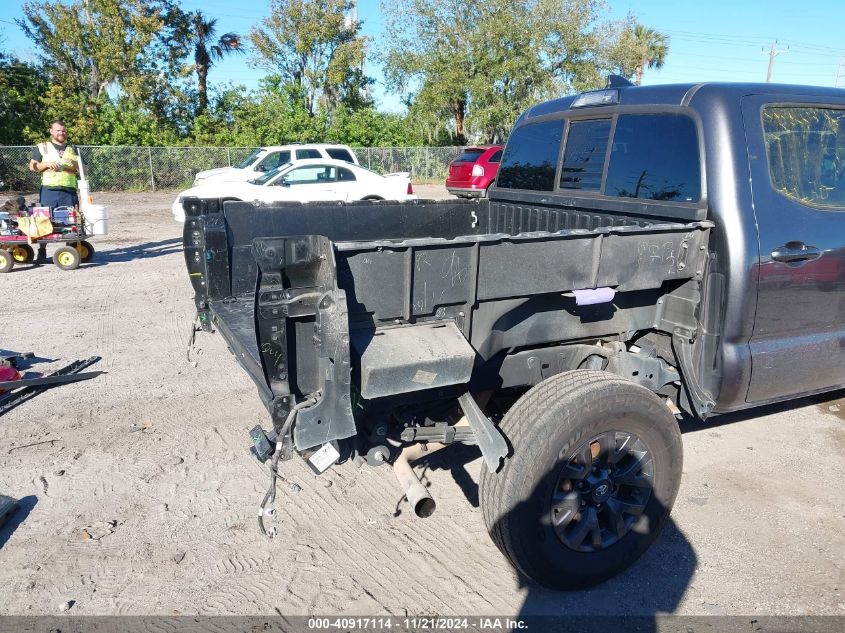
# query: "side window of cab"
[[654, 157], [303, 154], [806, 153]]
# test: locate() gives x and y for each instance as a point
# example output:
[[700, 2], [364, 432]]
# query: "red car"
[[473, 171]]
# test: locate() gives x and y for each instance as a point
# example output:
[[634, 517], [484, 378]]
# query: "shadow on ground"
[[136, 252], [26, 362], [454, 459], [17, 517], [653, 585], [689, 424], [632, 600]]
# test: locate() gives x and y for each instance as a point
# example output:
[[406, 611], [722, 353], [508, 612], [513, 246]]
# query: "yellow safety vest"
[[49, 154]]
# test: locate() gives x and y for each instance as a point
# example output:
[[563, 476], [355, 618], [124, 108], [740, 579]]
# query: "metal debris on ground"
[[32, 387]]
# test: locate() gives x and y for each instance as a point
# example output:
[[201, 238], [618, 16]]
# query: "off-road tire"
[[67, 258], [86, 251], [544, 427], [22, 253], [6, 261]]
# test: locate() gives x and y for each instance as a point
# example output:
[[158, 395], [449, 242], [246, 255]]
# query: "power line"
[[695, 55], [807, 48], [721, 35]]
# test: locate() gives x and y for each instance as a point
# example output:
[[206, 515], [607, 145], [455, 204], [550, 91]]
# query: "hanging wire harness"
[[266, 507]]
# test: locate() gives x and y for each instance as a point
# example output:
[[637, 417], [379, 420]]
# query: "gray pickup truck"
[[647, 252]]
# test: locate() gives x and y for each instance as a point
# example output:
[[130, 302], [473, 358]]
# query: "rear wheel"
[[22, 253], [6, 261], [67, 258], [86, 251], [595, 470]]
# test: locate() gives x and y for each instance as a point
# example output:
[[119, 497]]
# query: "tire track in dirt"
[[413, 551], [241, 564], [180, 313], [105, 343], [167, 315], [352, 548], [238, 594]]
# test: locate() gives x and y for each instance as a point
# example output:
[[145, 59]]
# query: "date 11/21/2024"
[[431, 623]]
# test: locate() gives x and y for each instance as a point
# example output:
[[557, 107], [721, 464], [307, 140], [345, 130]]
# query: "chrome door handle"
[[792, 252]]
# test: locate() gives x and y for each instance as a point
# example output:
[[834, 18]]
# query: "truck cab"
[[765, 163]]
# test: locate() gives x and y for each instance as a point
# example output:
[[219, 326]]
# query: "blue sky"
[[717, 40]]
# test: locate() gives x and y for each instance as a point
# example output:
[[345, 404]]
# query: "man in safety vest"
[[58, 163]]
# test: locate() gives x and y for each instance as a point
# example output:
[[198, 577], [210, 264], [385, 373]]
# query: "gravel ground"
[[139, 494]]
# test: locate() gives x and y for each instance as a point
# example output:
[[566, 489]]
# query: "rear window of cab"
[[468, 156], [645, 156]]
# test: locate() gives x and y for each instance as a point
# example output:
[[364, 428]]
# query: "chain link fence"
[[128, 168]]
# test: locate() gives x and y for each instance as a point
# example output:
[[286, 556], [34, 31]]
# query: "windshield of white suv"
[[265, 178], [249, 160]]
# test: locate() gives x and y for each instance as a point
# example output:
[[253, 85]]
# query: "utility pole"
[[351, 21], [773, 52], [840, 74]]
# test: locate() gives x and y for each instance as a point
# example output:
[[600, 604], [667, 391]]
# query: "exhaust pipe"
[[417, 494]]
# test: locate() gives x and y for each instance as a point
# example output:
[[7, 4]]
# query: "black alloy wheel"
[[601, 491]]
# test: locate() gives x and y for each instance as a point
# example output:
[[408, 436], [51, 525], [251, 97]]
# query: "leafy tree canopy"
[[21, 111], [312, 45], [136, 72], [485, 62]]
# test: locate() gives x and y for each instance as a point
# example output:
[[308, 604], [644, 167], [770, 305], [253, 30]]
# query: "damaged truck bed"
[[375, 301]]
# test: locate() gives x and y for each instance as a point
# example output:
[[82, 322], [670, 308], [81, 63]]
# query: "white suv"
[[266, 159]]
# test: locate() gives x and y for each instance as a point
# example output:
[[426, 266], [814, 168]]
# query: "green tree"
[[431, 42], [485, 62], [273, 115], [366, 127], [651, 49], [90, 47], [312, 45], [208, 49], [123, 123], [22, 114]]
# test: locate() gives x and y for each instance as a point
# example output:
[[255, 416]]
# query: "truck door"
[[796, 152]]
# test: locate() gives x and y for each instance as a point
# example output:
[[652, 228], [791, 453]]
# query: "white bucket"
[[84, 193], [96, 219]]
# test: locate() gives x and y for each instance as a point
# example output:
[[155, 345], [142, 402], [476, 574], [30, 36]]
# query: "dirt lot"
[[140, 495]]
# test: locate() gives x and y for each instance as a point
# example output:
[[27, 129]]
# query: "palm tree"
[[652, 47], [201, 36]]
